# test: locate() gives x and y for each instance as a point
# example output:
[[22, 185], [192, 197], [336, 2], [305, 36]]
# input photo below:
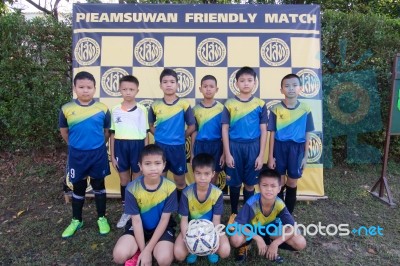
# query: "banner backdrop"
[[113, 40]]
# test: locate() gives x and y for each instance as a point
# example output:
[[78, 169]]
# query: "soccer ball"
[[201, 237]]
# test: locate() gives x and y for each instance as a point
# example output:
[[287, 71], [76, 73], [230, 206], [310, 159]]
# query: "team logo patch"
[[185, 82], [310, 83], [148, 51], [275, 52], [187, 148], [315, 149], [147, 103], [86, 52], [211, 52], [110, 81], [232, 84]]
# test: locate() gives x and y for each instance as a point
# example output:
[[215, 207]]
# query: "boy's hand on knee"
[[145, 258], [272, 252], [262, 247]]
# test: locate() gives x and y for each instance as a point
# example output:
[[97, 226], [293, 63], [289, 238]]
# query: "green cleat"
[[104, 227], [71, 229]]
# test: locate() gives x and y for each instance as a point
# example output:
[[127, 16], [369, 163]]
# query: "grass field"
[[33, 215]]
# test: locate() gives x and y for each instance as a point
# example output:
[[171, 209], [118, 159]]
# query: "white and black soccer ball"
[[201, 237]]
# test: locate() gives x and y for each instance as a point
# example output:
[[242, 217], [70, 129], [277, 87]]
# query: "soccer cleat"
[[231, 221], [72, 227], [191, 259], [123, 220], [133, 261], [242, 253], [278, 259], [104, 227], [213, 258]]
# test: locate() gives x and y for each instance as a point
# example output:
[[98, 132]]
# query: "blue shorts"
[[212, 147], [244, 155], [288, 156], [93, 163], [168, 235], [127, 154], [176, 158]]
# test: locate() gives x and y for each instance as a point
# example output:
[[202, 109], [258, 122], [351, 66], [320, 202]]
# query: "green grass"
[[33, 216]]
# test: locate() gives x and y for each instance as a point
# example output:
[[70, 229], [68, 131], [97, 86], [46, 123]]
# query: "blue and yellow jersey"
[[191, 206], [251, 213], [244, 118], [150, 204], [85, 123], [129, 124], [290, 124], [169, 121], [208, 121]]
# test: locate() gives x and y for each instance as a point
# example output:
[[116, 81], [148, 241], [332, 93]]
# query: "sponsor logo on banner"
[[147, 103], [148, 51], [185, 82], [275, 52], [211, 52], [188, 148], [315, 148], [86, 52], [232, 84], [310, 83], [110, 81]]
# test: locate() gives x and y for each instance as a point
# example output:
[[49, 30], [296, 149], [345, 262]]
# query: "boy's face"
[[246, 83], [129, 90], [152, 165], [84, 89], [203, 176], [208, 89], [169, 85], [291, 88], [269, 188]]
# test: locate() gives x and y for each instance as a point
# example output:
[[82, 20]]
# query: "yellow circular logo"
[[211, 52], [357, 115], [221, 180], [147, 103], [110, 81], [86, 52], [310, 83], [185, 82], [232, 84], [148, 51], [275, 52], [187, 148], [315, 148]]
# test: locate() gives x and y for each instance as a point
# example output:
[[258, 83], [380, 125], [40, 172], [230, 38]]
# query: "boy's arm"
[[216, 219], [106, 134], [271, 159], [263, 141], [306, 150], [192, 141], [138, 231], [112, 154], [189, 130], [190, 121], [64, 133], [225, 141], [184, 225]]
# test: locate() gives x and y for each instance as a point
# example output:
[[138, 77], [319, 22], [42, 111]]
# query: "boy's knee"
[[298, 242], [119, 256], [236, 241], [224, 250], [164, 258]]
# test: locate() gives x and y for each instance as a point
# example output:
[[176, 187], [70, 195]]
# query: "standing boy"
[[207, 138], [84, 126], [129, 126], [267, 212], [150, 200], [167, 118], [244, 134], [201, 200], [290, 123]]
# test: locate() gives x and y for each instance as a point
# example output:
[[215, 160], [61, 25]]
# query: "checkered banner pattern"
[[112, 40]]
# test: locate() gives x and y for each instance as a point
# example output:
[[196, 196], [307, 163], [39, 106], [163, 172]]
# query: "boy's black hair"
[[289, 76], [168, 72], [271, 173], [203, 160], [208, 77], [84, 75], [152, 149], [129, 78], [245, 70]]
